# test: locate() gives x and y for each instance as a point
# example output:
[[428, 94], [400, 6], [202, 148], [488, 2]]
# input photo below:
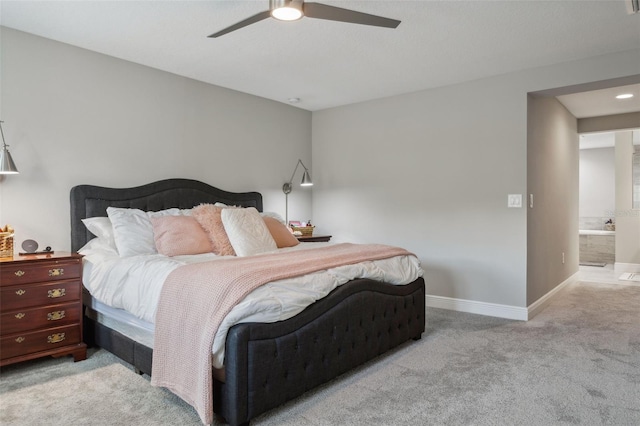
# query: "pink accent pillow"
[[282, 236], [177, 235], [210, 218]]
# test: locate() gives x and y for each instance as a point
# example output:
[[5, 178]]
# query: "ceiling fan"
[[291, 10]]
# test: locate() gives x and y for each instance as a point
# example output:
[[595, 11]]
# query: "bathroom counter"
[[595, 232]]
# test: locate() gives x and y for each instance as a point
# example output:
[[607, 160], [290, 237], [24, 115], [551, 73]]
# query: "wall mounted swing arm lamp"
[[7, 166], [288, 186], [306, 178]]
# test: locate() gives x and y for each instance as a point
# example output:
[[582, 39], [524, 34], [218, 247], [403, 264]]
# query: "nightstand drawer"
[[32, 272], [34, 318], [36, 341], [26, 296]]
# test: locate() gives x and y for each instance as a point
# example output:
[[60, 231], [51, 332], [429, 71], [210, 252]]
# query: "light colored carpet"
[[99, 391], [577, 362]]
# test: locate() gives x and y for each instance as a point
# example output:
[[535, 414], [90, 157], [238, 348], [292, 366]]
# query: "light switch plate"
[[514, 201]]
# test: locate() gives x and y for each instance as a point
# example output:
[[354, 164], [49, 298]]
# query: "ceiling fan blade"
[[332, 13], [252, 20]]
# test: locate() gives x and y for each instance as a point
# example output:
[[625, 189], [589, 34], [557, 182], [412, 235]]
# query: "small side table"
[[314, 238]]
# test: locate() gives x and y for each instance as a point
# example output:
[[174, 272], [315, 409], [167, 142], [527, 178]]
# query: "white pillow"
[[101, 228], [247, 231], [132, 229], [97, 247]]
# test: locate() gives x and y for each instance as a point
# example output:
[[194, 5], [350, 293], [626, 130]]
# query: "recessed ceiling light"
[[625, 96]]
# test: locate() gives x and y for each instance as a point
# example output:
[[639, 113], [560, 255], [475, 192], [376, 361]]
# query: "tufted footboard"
[[269, 364]]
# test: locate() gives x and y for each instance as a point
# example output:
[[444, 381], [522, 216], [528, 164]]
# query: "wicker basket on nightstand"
[[6, 244], [306, 231]]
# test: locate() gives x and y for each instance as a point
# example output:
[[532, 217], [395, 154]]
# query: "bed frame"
[[266, 365]]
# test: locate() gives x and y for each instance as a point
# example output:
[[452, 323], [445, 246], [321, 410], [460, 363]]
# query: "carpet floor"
[[577, 362]]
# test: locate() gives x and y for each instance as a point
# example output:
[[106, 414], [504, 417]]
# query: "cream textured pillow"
[[280, 233], [178, 235], [247, 231], [132, 229], [209, 217]]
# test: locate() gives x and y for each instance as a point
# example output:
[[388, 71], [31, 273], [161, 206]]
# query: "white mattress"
[[133, 284]]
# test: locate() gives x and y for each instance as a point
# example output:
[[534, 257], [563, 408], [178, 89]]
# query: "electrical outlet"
[[563, 258]]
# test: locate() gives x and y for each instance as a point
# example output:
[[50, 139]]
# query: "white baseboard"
[[620, 268], [536, 307], [497, 310], [475, 307]]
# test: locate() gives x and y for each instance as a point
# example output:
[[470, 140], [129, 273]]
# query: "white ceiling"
[[327, 63], [597, 103]]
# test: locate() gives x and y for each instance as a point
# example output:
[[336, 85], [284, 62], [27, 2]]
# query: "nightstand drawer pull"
[[56, 272], [20, 339], [55, 315], [56, 292], [19, 273], [55, 338], [20, 315], [20, 292]]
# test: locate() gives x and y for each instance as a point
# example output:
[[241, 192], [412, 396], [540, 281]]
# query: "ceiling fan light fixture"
[[286, 14], [286, 10], [291, 10]]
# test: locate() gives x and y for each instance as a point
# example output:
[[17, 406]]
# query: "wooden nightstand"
[[41, 307], [314, 238]]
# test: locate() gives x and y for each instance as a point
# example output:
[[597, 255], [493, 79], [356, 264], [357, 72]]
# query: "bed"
[[266, 364]]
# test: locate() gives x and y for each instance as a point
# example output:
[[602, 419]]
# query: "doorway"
[[609, 217], [597, 204]]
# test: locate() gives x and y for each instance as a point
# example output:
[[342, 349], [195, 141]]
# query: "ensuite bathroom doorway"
[[597, 202], [601, 216]]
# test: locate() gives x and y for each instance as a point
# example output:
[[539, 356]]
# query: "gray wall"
[[597, 186], [609, 122], [427, 171], [552, 226], [73, 116], [431, 171]]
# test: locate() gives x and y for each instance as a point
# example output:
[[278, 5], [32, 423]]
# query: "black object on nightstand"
[[313, 238]]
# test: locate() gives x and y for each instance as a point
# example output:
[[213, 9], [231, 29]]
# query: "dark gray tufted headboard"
[[92, 201]]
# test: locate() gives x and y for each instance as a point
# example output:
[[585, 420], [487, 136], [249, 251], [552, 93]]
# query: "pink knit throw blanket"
[[195, 299]]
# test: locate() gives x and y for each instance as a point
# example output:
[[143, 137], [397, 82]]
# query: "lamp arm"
[[287, 187], [4, 144], [296, 169], [294, 172]]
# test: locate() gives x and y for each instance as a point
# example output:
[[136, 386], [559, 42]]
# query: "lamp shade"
[[7, 166], [306, 179]]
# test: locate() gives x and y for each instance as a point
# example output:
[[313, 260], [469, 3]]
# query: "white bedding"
[[134, 284]]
